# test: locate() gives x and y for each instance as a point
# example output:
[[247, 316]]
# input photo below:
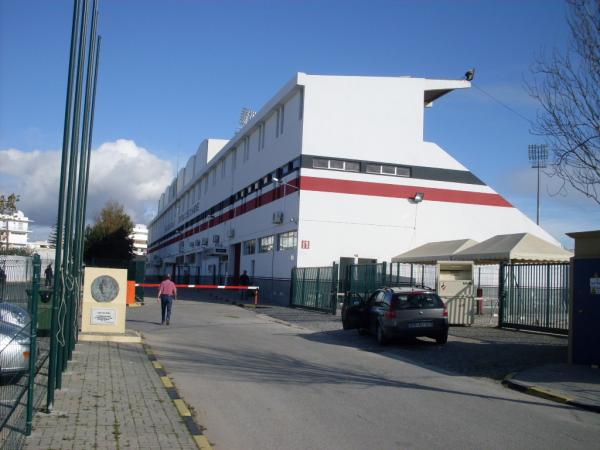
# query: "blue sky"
[[175, 72]]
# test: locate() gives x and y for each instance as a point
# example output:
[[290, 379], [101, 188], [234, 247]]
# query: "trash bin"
[[44, 311]]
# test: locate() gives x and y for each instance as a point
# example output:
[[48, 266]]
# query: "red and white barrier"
[[209, 286]]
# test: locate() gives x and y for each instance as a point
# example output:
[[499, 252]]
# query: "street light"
[[538, 155]]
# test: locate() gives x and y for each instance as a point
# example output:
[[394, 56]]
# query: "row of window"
[[354, 166], [254, 187], [266, 244]]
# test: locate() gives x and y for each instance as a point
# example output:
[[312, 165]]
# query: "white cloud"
[[119, 170]]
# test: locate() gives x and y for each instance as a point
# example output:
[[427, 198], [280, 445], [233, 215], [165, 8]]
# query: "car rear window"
[[417, 301]]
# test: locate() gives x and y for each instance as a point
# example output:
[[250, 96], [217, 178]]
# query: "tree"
[[52, 237], [109, 237], [567, 87], [8, 204]]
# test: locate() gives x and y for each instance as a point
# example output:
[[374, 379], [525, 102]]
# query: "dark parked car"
[[398, 312]]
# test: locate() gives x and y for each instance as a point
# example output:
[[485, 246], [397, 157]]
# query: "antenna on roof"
[[245, 116]]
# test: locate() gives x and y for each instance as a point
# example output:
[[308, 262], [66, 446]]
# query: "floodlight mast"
[[538, 155]]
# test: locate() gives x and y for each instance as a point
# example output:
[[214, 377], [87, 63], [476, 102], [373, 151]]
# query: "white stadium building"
[[332, 167]]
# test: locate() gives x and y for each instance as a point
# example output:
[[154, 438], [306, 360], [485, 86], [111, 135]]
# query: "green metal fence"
[[23, 354], [315, 288], [535, 297]]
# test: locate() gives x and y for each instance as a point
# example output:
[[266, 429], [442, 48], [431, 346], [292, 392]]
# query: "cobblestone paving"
[[480, 351], [111, 399]]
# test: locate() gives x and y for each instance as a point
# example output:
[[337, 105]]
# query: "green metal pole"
[[77, 255], [35, 293], [71, 200], [58, 264]]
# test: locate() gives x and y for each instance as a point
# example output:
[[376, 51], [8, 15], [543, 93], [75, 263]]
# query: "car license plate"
[[420, 324]]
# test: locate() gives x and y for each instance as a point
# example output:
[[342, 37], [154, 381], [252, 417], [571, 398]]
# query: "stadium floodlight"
[[538, 155], [418, 198]]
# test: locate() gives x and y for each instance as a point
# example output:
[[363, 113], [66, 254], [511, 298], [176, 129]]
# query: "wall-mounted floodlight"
[[418, 198]]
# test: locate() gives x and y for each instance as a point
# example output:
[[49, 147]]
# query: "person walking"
[[49, 274], [167, 293]]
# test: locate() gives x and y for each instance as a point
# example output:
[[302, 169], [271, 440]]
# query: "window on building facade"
[[246, 148], [352, 166], [250, 247], [387, 169], [223, 167], [266, 244], [233, 160], [336, 164], [280, 117], [319, 163], [288, 241]]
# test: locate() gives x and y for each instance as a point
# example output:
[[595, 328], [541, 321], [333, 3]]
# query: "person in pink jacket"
[[167, 293]]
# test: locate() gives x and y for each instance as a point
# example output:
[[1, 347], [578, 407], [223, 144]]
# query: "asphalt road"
[[259, 383]]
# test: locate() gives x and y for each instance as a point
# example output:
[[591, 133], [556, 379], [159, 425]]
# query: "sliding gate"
[[535, 297], [315, 288]]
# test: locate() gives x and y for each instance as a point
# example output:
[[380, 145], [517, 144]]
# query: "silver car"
[[14, 314], [14, 349]]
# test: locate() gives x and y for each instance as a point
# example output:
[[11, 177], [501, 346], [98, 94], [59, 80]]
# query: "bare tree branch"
[[567, 87]]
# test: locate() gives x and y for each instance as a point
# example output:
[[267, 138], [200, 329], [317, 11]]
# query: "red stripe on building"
[[399, 191]]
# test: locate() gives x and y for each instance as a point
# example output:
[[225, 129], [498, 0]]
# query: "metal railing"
[[315, 288], [535, 297], [23, 354]]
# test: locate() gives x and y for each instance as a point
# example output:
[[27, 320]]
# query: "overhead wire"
[[501, 103]]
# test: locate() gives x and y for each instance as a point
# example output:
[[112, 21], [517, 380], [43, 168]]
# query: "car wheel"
[[442, 339], [344, 325], [381, 337]]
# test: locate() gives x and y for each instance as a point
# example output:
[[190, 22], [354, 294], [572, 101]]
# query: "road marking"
[[182, 407], [202, 442], [548, 394], [194, 429]]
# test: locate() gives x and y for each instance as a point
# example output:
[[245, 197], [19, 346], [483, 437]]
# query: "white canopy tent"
[[519, 247], [434, 251]]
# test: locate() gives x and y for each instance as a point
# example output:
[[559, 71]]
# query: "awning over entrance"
[[434, 251], [519, 247]]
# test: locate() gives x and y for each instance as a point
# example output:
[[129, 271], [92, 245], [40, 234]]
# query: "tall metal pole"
[[58, 287], [538, 155], [71, 200], [537, 217], [80, 218]]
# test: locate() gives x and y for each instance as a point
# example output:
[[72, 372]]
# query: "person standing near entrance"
[[167, 293], [244, 281], [49, 274]]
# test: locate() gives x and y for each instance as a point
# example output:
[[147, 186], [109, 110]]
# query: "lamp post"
[[538, 155]]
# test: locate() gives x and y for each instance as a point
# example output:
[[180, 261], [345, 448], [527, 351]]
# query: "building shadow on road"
[[257, 366], [490, 358]]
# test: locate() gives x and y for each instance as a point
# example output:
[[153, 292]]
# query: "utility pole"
[[538, 155]]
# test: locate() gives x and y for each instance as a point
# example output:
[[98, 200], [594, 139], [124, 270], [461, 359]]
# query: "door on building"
[[237, 249]]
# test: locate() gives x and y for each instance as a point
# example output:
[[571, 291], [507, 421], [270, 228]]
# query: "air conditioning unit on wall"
[[278, 217]]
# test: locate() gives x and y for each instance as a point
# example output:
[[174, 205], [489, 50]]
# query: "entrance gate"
[[535, 297]]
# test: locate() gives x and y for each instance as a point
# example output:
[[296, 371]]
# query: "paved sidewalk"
[[112, 398], [574, 385]]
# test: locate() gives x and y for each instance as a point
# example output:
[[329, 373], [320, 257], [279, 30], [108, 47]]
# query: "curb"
[[547, 394], [194, 428]]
